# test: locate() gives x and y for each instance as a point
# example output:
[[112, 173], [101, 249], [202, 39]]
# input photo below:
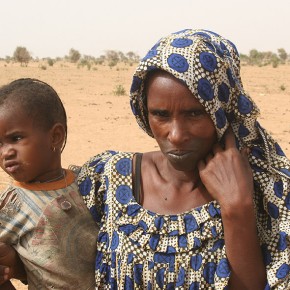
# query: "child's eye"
[[16, 138]]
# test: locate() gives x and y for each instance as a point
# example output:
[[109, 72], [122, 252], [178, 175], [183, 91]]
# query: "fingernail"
[[6, 271]]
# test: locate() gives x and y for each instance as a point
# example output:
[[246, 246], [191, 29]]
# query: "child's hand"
[[5, 262], [7, 286], [10, 264]]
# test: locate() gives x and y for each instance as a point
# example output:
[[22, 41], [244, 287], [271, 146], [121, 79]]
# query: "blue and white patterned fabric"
[[138, 249]]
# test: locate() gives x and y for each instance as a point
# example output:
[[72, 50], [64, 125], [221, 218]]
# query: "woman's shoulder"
[[105, 157], [111, 160], [97, 164]]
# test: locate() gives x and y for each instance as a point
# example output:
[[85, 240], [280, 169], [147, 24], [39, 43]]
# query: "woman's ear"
[[58, 135]]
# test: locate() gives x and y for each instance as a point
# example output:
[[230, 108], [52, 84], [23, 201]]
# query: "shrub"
[[119, 91], [84, 62], [112, 63], [275, 61], [50, 62]]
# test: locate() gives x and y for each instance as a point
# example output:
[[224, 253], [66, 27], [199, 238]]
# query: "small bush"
[[119, 91], [282, 88], [43, 67], [275, 63], [112, 63], [99, 61], [50, 62], [84, 62]]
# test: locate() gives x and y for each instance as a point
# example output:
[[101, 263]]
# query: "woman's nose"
[[178, 132]]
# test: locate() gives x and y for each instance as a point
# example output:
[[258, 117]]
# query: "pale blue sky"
[[50, 28]]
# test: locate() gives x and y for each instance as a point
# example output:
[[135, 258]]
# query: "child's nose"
[[7, 151]]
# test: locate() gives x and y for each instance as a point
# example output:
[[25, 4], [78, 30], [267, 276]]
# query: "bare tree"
[[74, 55], [21, 55], [133, 56], [282, 54]]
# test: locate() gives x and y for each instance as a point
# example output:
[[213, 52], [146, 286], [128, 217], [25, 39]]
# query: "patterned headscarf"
[[209, 66]]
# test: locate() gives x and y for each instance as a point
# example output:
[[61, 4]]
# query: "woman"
[[196, 214]]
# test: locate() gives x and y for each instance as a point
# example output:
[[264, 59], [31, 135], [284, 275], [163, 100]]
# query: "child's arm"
[[10, 264]]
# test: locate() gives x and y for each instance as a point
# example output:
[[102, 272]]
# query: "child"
[[41, 213]]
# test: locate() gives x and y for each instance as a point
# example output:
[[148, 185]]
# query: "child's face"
[[25, 149]]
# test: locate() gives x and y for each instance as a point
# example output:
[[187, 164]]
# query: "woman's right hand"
[[227, 176]]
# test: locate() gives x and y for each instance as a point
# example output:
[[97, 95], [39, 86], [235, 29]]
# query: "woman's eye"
[[162, 114], [197, 113]]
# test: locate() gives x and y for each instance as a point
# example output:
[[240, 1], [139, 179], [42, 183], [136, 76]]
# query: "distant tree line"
[[259, 58], [113, 57]]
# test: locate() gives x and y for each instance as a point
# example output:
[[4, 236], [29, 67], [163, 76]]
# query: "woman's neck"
[[168, 191]]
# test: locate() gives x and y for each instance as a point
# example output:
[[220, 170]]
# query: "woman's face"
[[183, 130]]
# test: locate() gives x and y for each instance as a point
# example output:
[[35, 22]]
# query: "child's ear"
[[57, 135]]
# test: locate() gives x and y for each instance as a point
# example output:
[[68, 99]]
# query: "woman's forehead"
[[164, 88]]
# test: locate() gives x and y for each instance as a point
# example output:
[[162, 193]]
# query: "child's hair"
[[38, 99]]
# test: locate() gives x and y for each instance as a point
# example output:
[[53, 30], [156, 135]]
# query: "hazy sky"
[[50, 28]]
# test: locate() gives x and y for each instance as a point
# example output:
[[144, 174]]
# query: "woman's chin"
[[184, 166]]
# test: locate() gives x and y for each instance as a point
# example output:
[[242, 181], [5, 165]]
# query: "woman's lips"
[[179, 155]]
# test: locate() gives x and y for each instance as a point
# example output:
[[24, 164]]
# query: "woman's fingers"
[[230, 140], [201, 165], [245, 152], [245, 157], [208, 158], [227, 170], [217, 148]]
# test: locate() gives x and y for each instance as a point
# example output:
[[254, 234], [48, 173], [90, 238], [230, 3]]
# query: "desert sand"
[[99, 120]]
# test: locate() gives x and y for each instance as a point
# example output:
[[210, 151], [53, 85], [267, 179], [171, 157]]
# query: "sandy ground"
[[99, 120]]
